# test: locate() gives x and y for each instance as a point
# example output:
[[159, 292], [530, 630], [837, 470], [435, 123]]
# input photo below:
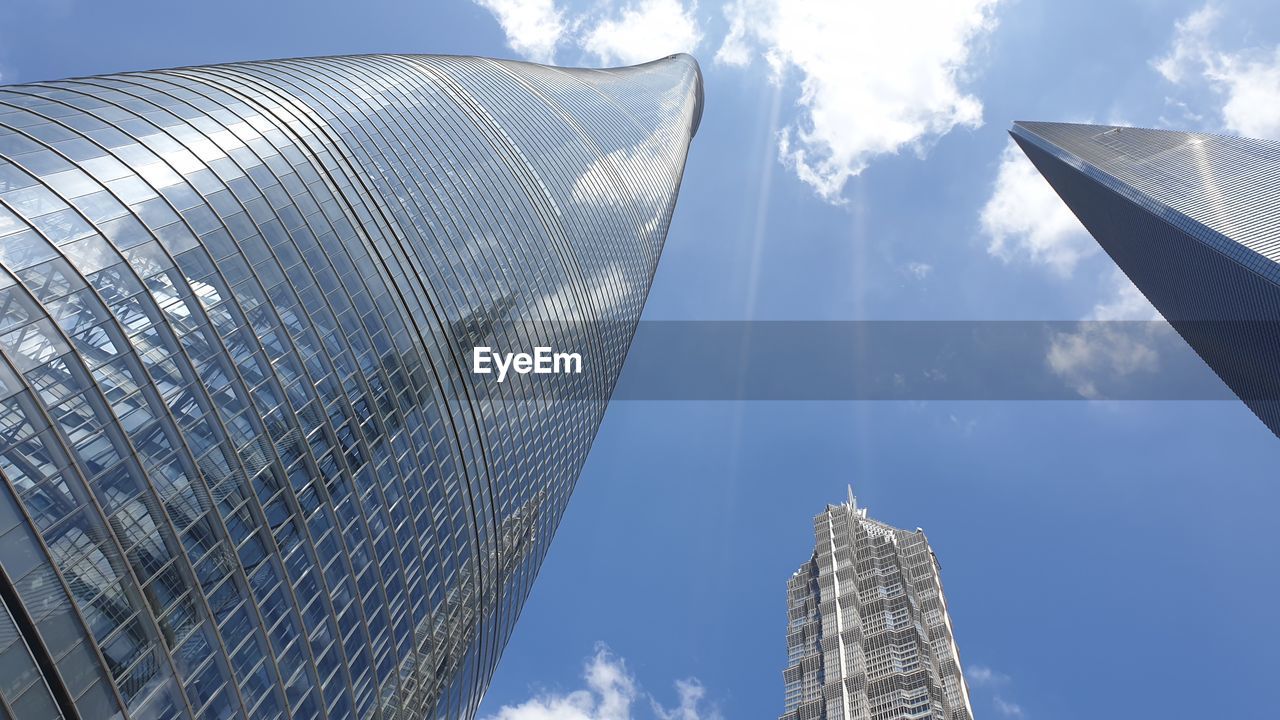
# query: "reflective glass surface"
[[1192, 219], [247, 473]]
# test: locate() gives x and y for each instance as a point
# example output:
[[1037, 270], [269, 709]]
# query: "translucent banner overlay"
[[869, 360]]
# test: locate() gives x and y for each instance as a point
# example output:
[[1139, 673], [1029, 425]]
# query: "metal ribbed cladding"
[[250, 472], [1193, 220], [868, 620], [1224, 190]]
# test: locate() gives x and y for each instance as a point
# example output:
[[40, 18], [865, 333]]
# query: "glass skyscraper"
[[247, 472], [868, 634], [1194, 220]]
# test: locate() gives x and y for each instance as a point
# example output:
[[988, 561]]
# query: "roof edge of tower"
[[698, 99], [698, 93]]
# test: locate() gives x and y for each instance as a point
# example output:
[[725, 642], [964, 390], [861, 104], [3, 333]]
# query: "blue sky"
[[1101, 559]]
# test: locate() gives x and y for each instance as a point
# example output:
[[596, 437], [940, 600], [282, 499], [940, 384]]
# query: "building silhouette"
[[246, 470], [1194, 220], [868, 633]]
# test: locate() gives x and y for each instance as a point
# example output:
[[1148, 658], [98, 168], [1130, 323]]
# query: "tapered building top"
[[246, 469], [1226, 190], [1194, 220], [869, 636]]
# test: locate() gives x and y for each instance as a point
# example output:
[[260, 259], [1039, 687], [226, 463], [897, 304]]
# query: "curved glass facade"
[[247, 471]]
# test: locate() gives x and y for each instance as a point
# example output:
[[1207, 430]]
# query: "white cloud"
[[875, 77], [614, 33], [1126, 302], [644, 30], [607, 290], [1007, 708], [1024, 218], [735, 48], [1190, 44], [1253, 94], [534, 28], [919, 270], [1105, 347], [611, 693], [597, 185], [1245, 81], [982, 676], [691, 695]]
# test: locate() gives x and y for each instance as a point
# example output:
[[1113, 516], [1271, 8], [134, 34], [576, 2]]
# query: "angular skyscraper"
[[1194, 221], [868, 634], [247, 472]]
